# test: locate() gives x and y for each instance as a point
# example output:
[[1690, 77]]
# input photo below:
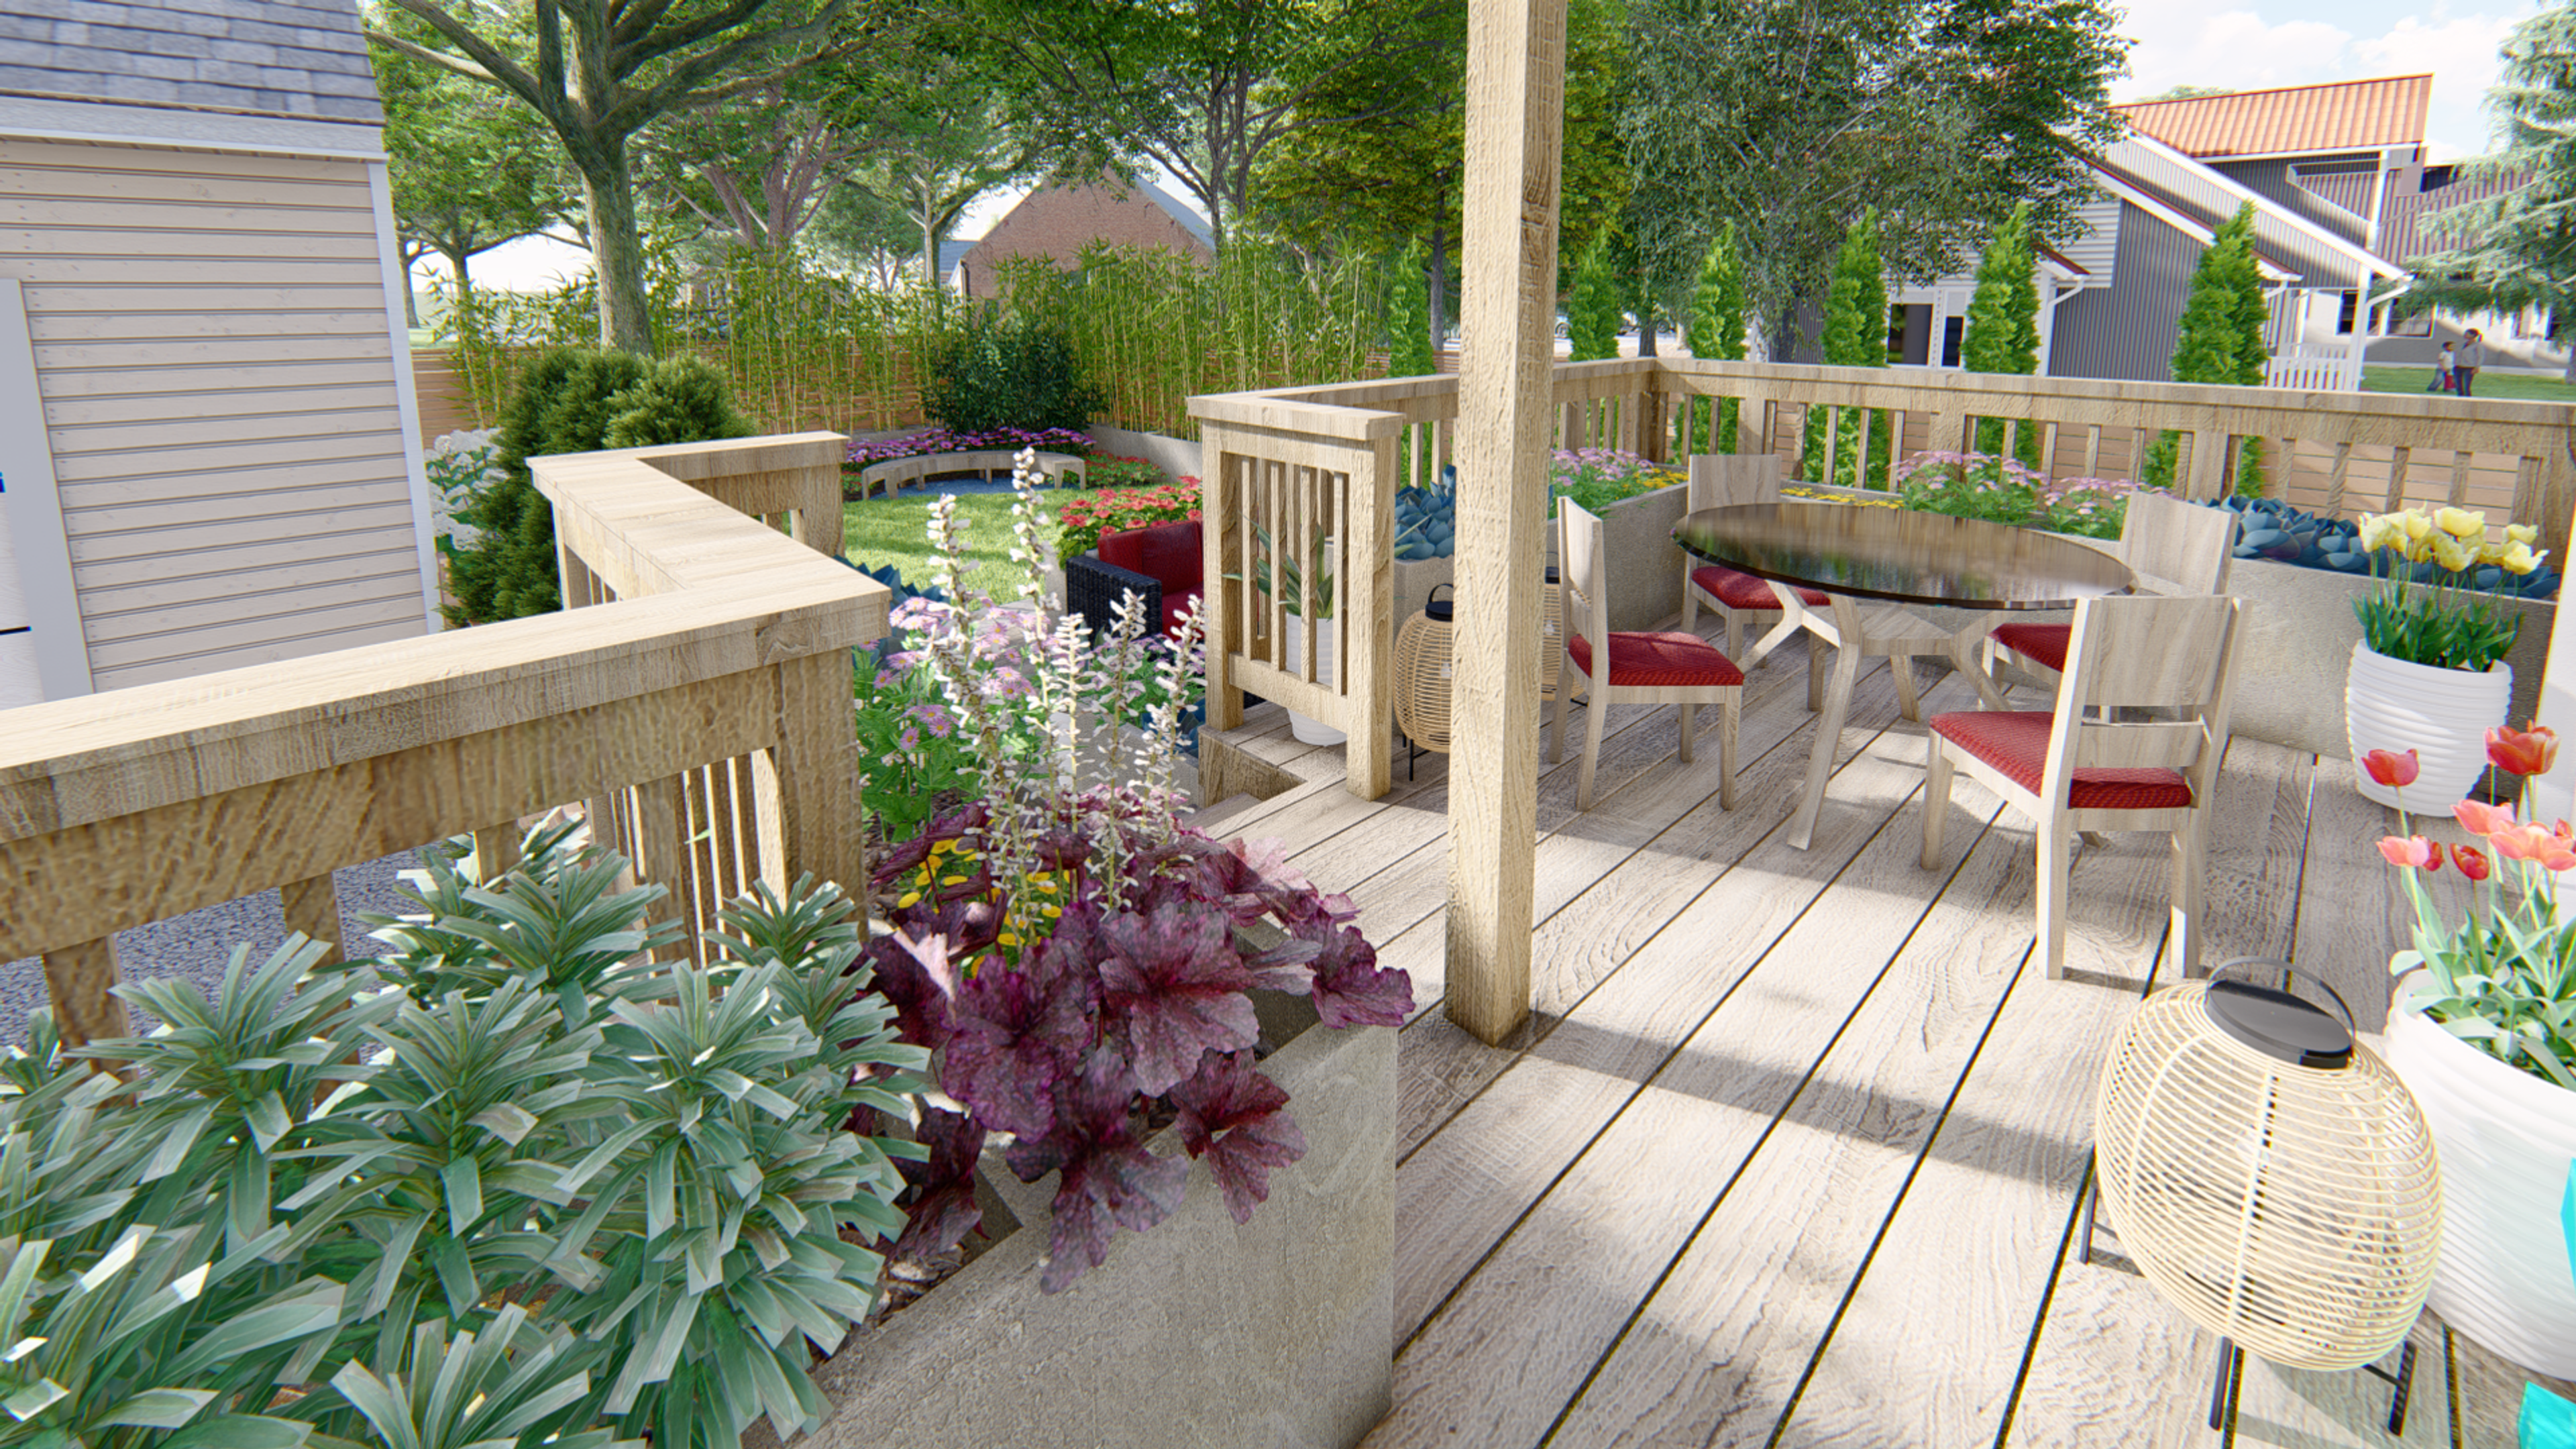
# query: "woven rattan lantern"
[[1423, 672], [2269, 1175]]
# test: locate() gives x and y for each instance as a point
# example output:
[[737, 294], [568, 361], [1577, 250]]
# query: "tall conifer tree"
[[1592, 307], [2003, 323], [1855, 336], [1717, 323]]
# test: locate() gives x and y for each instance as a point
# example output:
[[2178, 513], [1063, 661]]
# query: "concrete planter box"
[[1278, 1333], [1645, 563], [2299, 633]]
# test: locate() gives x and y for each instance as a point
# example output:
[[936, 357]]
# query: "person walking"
[[2443, 380], [2473, 355]]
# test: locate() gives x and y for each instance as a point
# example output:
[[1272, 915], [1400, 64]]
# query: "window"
[[1953, 333], [2350, 313]]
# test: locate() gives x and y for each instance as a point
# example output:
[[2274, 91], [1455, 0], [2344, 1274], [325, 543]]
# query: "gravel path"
[[198, 944]]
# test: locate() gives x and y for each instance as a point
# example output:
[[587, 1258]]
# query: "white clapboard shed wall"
[[195, 222]]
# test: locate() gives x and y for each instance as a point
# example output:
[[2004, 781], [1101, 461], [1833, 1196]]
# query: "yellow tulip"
[[2378, 532], [2414, 522], [2453, 554], [2461, 523], [2522, 533], [2518, 558]]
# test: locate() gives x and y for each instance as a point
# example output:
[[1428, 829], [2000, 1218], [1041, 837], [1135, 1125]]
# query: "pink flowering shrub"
[[2003, 490]]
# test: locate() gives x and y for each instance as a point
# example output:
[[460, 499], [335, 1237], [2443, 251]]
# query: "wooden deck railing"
[[1348, 447], [700, 708]]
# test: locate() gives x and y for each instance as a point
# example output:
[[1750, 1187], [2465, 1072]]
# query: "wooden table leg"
[[1829, 723], [1964, 656]]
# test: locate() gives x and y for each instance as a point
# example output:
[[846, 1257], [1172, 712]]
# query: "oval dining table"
[[1858, 551]]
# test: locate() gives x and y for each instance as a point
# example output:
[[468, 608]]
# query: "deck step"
[[1212, 819]]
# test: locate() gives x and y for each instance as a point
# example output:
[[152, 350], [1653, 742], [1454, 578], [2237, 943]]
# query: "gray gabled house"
[[2342, 195], [208, 451]]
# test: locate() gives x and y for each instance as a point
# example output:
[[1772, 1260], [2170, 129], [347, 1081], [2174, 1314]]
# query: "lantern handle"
[[2282, 968]]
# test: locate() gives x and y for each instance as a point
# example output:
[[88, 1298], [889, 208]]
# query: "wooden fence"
[[698, 706], [2331, 452]]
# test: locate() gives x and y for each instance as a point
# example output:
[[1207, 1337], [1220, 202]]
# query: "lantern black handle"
[[2283, 968]]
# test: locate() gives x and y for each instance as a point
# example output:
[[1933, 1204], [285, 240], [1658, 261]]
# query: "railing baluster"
[[312, 906], [81, 982]]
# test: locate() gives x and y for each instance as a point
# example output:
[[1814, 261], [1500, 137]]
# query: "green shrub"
[[306, 1195], [572, 401], [1007, 371]]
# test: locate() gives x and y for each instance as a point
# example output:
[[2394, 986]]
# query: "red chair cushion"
[[1174, 605], [1648, 661], [1737, 589], [2016, 742], [1169, 552], [2038, 643]]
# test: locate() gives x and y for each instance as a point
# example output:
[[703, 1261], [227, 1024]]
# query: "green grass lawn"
[[896, 531], [2488, 384]]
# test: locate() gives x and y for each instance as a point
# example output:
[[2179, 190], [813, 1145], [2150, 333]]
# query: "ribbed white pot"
[[2505, 1138], [1310, 731], [2441, 714]]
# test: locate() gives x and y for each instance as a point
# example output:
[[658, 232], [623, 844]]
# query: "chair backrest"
[[1583, 572], [2177, 547], [2176, 655], [1721, 480]]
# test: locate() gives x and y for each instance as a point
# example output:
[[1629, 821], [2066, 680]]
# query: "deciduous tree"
[[468, 168], [600, 71], [1788, 118], [2517, 250]]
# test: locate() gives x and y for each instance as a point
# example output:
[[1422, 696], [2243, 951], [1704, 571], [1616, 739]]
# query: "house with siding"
[[2341, 193], [209, 457]]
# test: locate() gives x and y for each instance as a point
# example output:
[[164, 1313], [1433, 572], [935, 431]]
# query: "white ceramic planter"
[[2441, 714], [1310, 731], [2505, 1138]]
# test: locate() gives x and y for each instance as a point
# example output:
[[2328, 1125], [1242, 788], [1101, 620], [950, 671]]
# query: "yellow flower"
[[2414, 522], [908, 898], [2461, 523], [2522, 533], [2379, 531], [2518, 558], [2453, 554]]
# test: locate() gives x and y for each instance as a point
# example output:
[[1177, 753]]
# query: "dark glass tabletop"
[[1913, 558]]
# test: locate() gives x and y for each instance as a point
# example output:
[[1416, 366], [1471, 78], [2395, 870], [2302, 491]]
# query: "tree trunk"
[[617, 254]]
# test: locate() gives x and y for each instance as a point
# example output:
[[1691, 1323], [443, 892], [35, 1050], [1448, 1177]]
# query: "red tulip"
[[2480, 818], [2412, 851], [2389, 768], [2471, 860], [2522, 752]]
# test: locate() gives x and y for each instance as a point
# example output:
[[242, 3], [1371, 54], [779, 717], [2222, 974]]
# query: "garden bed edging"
[[1275, 1334]]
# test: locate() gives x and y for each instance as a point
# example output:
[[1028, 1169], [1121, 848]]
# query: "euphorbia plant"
[[1075, 959], [2504, 979]]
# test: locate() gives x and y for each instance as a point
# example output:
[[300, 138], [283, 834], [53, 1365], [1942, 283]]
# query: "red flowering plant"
[[1079, 964], [2504, 979], [1083, 518]]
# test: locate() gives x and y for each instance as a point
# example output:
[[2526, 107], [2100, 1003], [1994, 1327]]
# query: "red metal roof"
[[2293, 120]]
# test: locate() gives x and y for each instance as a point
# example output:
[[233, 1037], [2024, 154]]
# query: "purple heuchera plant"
[[1136, 998]]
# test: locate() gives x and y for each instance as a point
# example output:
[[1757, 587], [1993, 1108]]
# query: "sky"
[[2179, 42]]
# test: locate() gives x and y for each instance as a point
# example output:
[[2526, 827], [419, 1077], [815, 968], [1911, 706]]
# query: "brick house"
[[1059, 219]]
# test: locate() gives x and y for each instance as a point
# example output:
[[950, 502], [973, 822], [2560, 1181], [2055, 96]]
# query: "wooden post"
[[1515, 141], [818, 773], [1366, 649], [662, 829], [82, 980], [313, 907]]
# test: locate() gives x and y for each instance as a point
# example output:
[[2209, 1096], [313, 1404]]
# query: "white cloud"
[[2307, 42]]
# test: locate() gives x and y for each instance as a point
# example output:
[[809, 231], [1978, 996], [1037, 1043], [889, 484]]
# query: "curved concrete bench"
[[890, 476]]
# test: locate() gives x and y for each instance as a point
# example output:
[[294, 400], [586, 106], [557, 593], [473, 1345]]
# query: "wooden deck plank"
[[2353, 914], [1440, 1068], [2490, 1391], [1639, 1187], [2015, 1144]]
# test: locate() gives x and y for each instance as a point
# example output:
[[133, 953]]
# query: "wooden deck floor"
[[1791, 1151]]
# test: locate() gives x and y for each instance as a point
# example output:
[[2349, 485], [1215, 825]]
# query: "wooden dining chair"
[[2174, 548], [1682, 670], [1723, 480], [2069, 772]]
